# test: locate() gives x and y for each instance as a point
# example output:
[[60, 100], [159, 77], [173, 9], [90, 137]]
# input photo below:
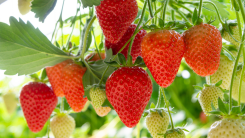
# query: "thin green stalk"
[[150, 8], [167, 105], [61, 23], [140, 21], [96, 44], [239, 24], [200, 9], [164, 11], [217, 11], [54, 31], [242, 9], [159, 98], [85, 38], [189, 10], [138, 130], [48, 127], [172, 15], [62, 104]]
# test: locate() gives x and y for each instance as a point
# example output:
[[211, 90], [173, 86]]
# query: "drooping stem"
[[85, 38], [140, 21], [200, 9], [150, 8], [159, 98], [167, 105], [164, 11], [96, 44]]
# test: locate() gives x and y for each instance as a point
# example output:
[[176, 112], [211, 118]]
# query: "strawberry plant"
[[117, 65]]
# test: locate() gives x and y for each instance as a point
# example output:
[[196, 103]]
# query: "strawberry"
[[129, 89], [24, 6], [54, 76], [203, 46], [37, 102], [115, 16], [210, 94], [157, 124], [136, 47], [72, 85], [62, 125], [102, 111], [227, 128], [235, 90], [162, 52], [179, 133], [223, 73], [10, 102], [236, 35], [95, 57], [97, 96]]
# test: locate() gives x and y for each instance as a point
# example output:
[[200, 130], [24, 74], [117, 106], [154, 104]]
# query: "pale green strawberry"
[[156, 124], [227, 128], [210, 94], [176, 134], [10, 101], [236, 35], [223, 73], [62, 125], [97, 96]]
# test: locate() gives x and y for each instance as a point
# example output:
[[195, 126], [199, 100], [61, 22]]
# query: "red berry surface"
[[162, 52], [203, 46], [136, 47], [37, 102], [129, 89], [115, 16]]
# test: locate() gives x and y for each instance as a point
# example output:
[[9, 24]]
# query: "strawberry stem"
[[164, 11], [167, 105], [159, 98], [135, 32], [200, 9], [150, 9], [62, 104], [96, 44]]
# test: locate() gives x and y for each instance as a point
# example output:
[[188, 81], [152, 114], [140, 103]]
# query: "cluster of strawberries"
[[129, 88]]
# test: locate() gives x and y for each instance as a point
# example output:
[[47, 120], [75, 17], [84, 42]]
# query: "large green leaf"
[[90, 3], [25, 50], [42, 8]]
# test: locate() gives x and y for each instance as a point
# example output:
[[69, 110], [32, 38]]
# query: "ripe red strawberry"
[[136, 47], [95, 57], [162, 52], [129, 89], [115, 16], [54, 76], [37, 102], [203, 46], [72, 84]]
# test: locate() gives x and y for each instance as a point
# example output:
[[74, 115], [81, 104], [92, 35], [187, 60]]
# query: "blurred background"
[[181, 93]]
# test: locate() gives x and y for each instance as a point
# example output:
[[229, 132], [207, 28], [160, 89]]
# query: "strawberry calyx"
[[209, 85], [179, 130], [171, 25], [123, 62], [154, 109], [40, 76]]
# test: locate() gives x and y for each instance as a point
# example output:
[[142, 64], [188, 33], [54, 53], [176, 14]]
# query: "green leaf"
[[243, 110], [195, 16], [152, 105], [222, 107], [101, 46], [43, 74], [215, 112], [198, 87], [25, 50], [218, 83], [90, 3], [42, 8], [235, 110], [112, 64], [121, 58]]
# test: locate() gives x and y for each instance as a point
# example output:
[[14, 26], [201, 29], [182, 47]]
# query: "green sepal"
[[57, 110], [197, 87], [222, 107], [197, 95], [218, 83], [243, 110], [43, 74], [34, 76], [235, 110], [107, 104], [239, 66], [160, 112], [227, 54], [112, 64], [194, 16], [152, 106], [129, 60], [121, 59], [138, 60], [216, 112], [212, 106], [161, 22], [145, 113]]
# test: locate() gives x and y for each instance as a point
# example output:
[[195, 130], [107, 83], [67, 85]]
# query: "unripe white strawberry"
[[236, 35], [10, 102], [227, 128], [157, 124], [24, 6], [97, 96], [102, 111], [176, 134], [62, 125], [235, 89], [223, 73], [210, 94]]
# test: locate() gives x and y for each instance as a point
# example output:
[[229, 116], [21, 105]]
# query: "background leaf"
[[25, 50], [42, 8], [90, 3]]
